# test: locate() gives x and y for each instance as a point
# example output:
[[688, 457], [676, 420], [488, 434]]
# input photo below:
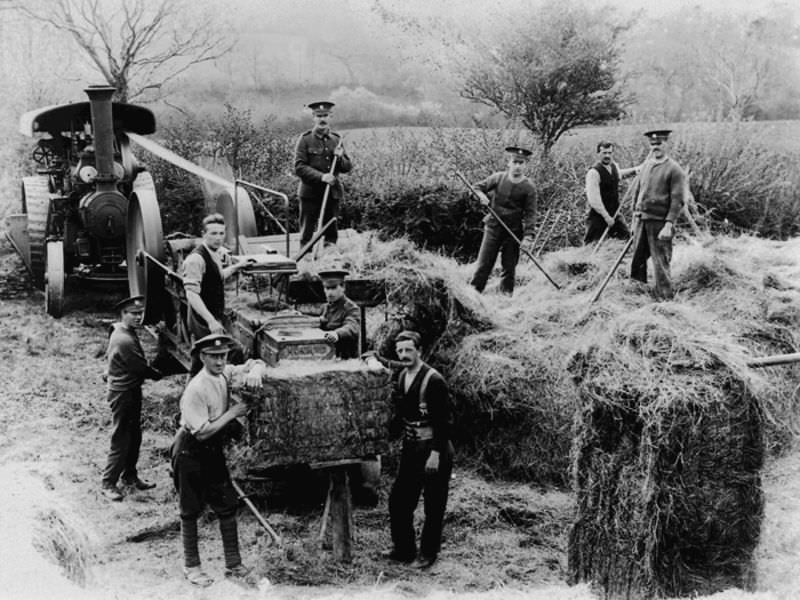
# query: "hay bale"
[[310, 411], [666, 459]]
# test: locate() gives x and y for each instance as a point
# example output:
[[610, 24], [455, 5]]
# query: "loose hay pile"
[[666, 459], [505, 359]]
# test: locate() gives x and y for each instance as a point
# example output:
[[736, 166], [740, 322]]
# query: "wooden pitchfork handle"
[[321, 221]]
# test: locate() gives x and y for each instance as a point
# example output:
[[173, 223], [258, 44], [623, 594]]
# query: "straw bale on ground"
[[666, 458]]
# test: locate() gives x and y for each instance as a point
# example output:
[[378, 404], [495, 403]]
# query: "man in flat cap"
[[340, 318], [205, 270], [199, 469], [313, 162], [514, 201], [127, 370], [659, 197], [602, 195]]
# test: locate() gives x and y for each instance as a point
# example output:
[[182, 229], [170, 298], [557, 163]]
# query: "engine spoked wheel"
[[144, 232]]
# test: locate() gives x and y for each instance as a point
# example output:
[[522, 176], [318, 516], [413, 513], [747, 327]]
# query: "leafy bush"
[[403, 181]]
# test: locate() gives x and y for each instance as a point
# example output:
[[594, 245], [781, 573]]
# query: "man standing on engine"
[[313, 158]]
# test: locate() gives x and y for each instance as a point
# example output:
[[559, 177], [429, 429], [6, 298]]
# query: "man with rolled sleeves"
[[602, 195], [423, 416], [205, 270], [127, 370], [313, 158], [199, 470], [514, 201], [340, 319], [659, 194]]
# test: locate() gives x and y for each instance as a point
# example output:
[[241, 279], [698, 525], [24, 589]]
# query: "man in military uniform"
[[340, 318], [660, 195], [514, 201], [423, 415], [127, 370], [199, 470], [602, 195], [205, 270], [313, 159]]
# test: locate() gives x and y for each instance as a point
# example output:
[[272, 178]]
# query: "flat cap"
[[333, 274], [657, 134], [517, 151], [320, 106], [132, 304], [215, 343]]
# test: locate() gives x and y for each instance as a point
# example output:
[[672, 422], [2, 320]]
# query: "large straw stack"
[[666, 459]]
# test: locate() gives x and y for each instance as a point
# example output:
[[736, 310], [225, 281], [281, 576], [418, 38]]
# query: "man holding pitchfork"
[[319, 157]]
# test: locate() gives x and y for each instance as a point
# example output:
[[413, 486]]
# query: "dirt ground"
[[61, 539]]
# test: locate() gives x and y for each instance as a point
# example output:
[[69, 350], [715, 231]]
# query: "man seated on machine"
[[340, 318]]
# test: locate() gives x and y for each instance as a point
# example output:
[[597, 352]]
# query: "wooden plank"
[[341, 515]]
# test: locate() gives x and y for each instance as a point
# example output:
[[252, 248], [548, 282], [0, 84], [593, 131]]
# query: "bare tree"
[[557, 71], [136, 45]]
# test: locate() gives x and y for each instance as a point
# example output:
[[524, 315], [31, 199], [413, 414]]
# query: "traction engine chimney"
[[103, 133]]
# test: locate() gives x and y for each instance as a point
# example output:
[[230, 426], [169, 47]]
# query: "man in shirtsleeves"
[[423, 416], [602, 195], [199, 470], [514, 201], [127, 370], [659, 194], [205, 270]]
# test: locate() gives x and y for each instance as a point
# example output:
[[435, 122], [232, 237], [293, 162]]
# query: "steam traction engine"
[[74, 208]]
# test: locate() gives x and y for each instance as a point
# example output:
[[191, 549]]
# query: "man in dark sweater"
[[659, 197], [340, 318], [514, 201], [423, 416], [314, 154], [127, 370], [602, 195]]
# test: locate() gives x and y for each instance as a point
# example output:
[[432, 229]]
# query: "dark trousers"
[[647, 245], [202, 479], [496, 239], [309, 216], [411, 481], [596, 225], [201, 476], [126, 435]]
